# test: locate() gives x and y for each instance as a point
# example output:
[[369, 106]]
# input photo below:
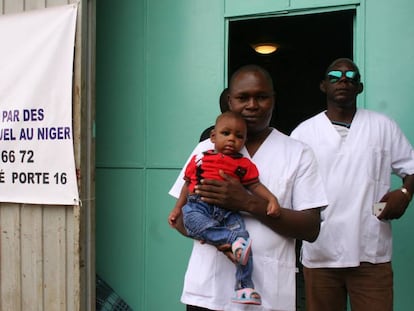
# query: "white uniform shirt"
[[357, 172], [288, 168]]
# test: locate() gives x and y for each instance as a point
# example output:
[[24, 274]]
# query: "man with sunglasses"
[[357, 150]]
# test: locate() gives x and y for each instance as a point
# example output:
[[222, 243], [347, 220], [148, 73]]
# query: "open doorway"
[[308, 43]]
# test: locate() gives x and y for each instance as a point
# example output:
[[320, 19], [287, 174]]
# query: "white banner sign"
[[36, 137]]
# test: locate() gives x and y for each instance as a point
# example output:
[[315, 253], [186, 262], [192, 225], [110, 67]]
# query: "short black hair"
[[251, 68]]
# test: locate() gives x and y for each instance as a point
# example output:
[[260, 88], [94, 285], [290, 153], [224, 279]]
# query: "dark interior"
[[308, 44]]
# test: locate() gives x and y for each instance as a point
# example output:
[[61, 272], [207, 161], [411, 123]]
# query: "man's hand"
[[397, 203], [228, 193]]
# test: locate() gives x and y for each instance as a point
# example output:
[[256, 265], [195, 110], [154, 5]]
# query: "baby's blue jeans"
[[217, 226]]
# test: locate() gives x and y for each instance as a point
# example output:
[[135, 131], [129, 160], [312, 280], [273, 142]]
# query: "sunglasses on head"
[[335, 75]]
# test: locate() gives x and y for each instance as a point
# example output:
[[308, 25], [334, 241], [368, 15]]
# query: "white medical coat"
[[356, 173]]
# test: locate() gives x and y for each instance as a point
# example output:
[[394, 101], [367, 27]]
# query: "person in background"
[[212, 224], [223, 101], [357, 150], [289, 170]]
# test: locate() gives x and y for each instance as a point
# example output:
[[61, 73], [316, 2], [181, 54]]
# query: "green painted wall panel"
[[389, 75], [246, 7], [120, 210], [166, 251], [140, 84], [390, 59], [185, 64], [403, 257], [120, 84]]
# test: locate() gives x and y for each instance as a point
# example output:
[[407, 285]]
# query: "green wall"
[[389, 88], [149, 114], [160, 70]]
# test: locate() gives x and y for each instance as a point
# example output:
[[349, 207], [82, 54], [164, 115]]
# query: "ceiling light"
[[265, 48]]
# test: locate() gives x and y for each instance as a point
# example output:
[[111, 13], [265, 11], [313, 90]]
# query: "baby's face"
[[229, 135]]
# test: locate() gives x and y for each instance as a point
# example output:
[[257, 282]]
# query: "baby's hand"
[[273, 208], [226, 249], [172, 218]]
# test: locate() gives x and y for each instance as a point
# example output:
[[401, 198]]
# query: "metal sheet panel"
[[40, 251]]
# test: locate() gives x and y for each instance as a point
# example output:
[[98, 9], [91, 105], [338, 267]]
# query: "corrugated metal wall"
[[45, 251]]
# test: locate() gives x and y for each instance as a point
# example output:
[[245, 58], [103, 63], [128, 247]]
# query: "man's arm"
[[230, 194]]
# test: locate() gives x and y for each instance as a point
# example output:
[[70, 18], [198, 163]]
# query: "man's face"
[[342, 84], [251, 95]]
